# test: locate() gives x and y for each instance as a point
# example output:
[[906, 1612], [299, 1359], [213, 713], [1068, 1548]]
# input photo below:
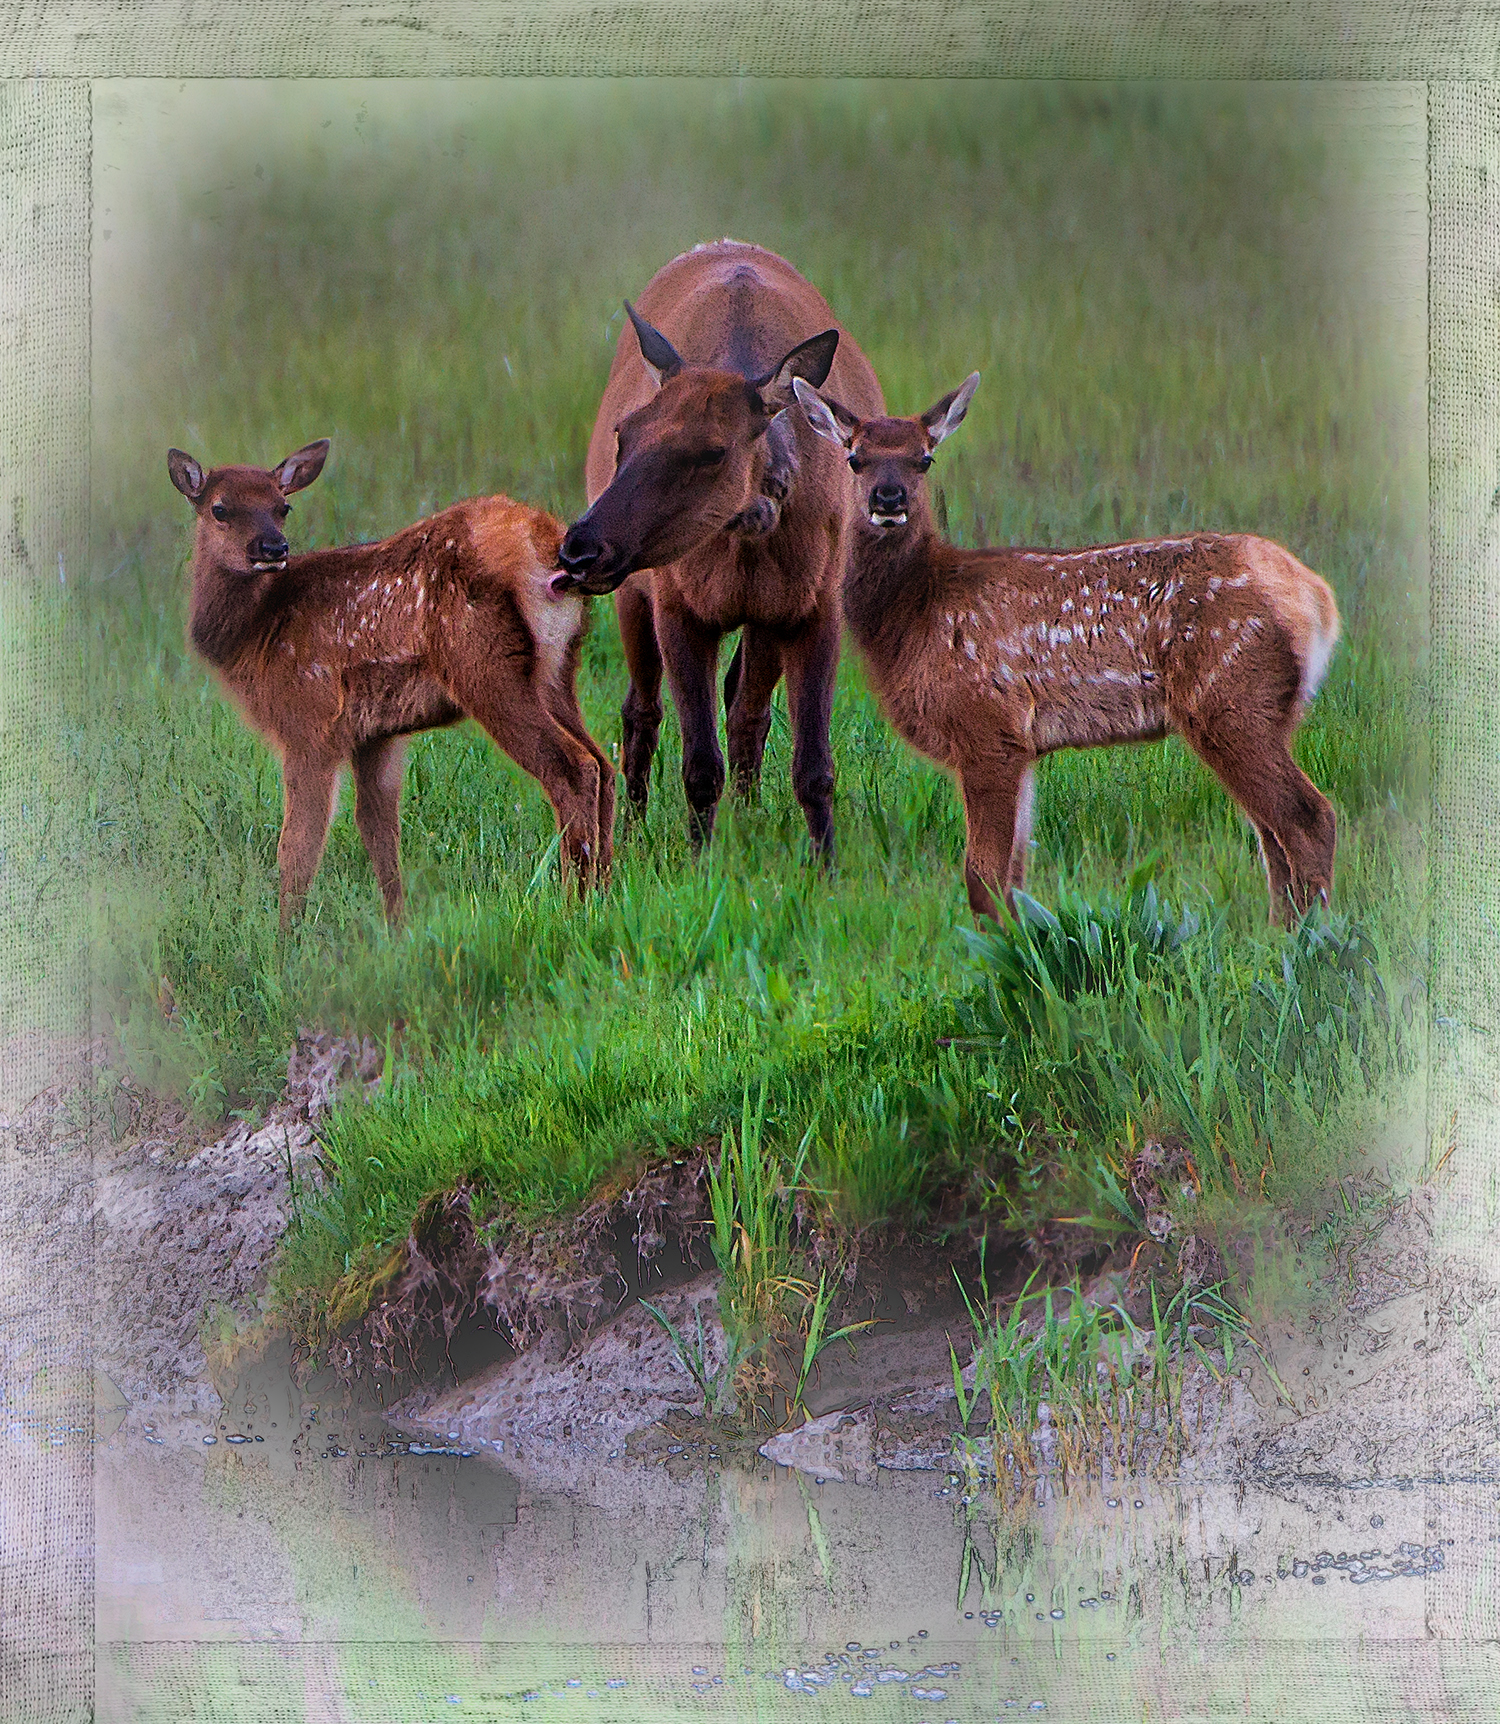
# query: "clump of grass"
[[1125, 1011], [1085, 1391], [761, 1300], [716, 1383], [1038, 959], [751, 1223]]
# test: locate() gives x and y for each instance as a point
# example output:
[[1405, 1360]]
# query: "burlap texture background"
[[49, 57]]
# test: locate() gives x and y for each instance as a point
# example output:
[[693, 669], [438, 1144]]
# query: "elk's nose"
[[579, 552], [888, 499], [268, 548]]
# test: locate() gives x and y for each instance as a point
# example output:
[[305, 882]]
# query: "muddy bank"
[[565, 1380], [1387, 1380], [165, 1230]]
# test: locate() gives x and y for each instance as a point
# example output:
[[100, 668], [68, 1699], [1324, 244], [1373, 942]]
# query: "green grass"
[[1168, 340]]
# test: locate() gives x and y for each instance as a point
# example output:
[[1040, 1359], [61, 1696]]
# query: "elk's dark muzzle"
[[268, 548], [586, 563], [888, 500], [579, 552]]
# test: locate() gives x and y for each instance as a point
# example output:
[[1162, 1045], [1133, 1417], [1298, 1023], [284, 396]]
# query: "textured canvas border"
[[764, 38], [48, 53], [46, 1500]]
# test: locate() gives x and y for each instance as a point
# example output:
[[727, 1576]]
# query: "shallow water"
[[310, 1563]]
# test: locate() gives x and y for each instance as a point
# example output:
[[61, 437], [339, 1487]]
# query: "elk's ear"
[[661, 359], [811, 360], [299, 470], [828, 418], [944, 417], [187, 475], [781, 442]]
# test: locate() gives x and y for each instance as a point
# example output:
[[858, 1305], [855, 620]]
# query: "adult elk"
[[986, 659], [336, 656], [712, 507]]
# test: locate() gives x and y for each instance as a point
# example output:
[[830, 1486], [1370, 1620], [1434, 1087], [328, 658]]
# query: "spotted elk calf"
[[337, 656], [985, 660]]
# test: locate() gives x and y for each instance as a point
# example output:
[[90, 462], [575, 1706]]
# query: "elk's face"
[[688, 465], [240, 510], [888, 458]]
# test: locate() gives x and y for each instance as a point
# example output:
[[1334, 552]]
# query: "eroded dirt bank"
[[1392, 1373]]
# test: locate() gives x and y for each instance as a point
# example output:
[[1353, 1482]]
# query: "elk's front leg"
[[309, 785], [992, 794], [377, 814], [640, 716], [690, 652], [811, 663], [1021, 841]]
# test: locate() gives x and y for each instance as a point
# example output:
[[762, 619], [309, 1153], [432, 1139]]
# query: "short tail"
[[1323, 637], [1304, 605]]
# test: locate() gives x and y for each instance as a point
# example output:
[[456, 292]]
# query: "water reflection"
[[323, 1558]]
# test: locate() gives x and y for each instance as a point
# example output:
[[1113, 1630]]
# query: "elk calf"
[[985, 660], [336, 656]]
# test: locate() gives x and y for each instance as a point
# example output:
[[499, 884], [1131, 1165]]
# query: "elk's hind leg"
[[753, 675], [811, 662], [309, 785], [564, 768], [517, 717], [1293, 818], [1278, 869], [377, 813], [994, 795]]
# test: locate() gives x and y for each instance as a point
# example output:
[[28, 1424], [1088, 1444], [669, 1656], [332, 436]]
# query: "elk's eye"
[[855, 464], [709, 457], [283, 510], [924, 463], [219, 512]]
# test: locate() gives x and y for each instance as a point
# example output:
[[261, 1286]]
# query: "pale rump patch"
[[1300, 601], [1315, 668], [553, 621]]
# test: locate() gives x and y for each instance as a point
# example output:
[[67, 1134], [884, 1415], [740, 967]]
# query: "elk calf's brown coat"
[[986, 659], [336, 656], [713, 508]]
